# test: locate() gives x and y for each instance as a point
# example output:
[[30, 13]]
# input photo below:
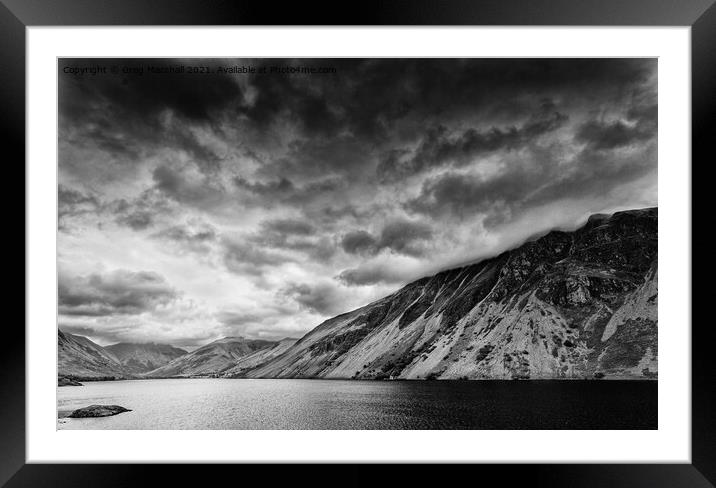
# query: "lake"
[[350, 404]]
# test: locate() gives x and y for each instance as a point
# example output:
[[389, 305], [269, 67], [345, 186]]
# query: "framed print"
[[427, 233]]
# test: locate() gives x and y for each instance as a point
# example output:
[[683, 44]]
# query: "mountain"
[[579, 304], [213, 358], [142, 358], [79, 357]]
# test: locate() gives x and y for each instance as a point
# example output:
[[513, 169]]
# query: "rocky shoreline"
[[65, 381]]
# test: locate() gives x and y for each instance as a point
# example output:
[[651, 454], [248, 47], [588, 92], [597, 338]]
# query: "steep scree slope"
[[579, 304]]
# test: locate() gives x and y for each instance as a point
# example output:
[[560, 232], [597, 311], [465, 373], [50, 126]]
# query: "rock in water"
[[98, 411]]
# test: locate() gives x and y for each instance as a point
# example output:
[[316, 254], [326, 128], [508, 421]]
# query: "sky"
[[199, 205]]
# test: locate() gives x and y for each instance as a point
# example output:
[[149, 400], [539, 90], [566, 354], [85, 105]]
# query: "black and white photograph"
[[357, 244]]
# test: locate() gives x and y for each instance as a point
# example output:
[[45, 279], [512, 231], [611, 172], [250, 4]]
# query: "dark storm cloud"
[[324, 191], [378, 126], [128, 117], [142, 95], [337, 117], [310, 133], [119, 292], [521, 186], [400, 236], [458, 195], [639, 126], [439, 148], [396, 90], [438, 88]]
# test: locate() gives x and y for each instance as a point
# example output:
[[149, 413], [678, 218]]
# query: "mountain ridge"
[[539, 310], [213, 358], [140, 358]]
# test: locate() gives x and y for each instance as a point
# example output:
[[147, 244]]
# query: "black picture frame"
[[700, 15]]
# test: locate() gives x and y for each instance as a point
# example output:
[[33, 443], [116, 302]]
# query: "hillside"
[[259, 357], [579, 304], [213, 358], [142, 358], [79, 357]]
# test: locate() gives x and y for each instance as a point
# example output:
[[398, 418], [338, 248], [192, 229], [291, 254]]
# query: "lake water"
[[337, 404]]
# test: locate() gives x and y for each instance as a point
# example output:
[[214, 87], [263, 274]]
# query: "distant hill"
[[79, 357], [142, 358], [213, 358], [579, 304]]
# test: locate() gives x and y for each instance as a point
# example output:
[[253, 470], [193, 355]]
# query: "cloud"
[[118, 292], [142, 212], [270, 200], [288, 227], [400, 236], [459, 195], [243, 257], [179, 186], [267, 323], [283, 191], [182, 322], [380, 272], [604, 135], [324, 298], [316, 158], [540, 180], [239, 318], [359, 242], [405, 237], [440, 148], [293, 235], [139, 213], [141, 95], [111, 124], [195, 236], [72, 203]]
